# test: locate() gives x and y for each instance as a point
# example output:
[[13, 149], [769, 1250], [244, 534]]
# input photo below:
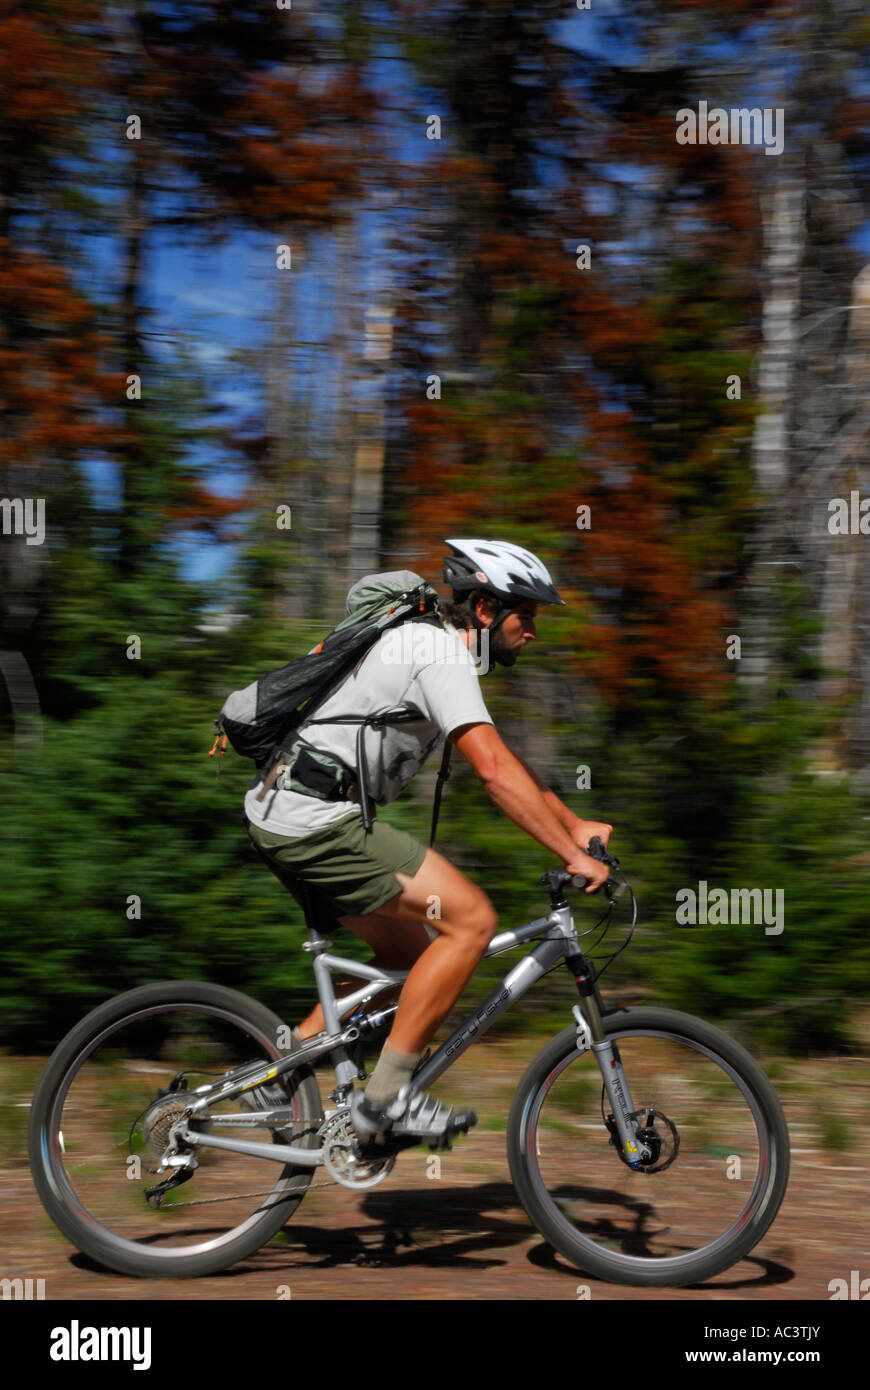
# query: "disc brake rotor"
[[661, 1139]]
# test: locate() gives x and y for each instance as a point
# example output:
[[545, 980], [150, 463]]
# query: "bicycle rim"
[[107, 1127], [695, 1212]]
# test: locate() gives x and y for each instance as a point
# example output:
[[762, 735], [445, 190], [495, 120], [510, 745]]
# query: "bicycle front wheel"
[[720, 1143], [100, 1121]]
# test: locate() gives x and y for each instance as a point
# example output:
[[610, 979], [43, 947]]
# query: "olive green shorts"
[[345, 871]]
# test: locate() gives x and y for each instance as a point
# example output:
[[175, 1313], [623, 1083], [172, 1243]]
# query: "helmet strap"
[[479, 626]]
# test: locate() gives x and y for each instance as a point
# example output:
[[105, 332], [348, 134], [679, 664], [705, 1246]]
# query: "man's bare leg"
[[439, 969], [465, 922], [395, 947], [465, 925]]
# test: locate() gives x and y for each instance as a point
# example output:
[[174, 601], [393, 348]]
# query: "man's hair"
[[456, 610]]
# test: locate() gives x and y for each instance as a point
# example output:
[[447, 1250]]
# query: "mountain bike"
[[646, 1146]]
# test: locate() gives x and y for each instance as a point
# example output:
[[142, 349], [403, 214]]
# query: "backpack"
[[261, 720]]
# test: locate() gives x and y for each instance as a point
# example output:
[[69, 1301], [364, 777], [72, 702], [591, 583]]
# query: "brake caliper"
[[662, 1148]]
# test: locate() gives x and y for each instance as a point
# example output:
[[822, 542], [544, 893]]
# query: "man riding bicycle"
[[382, 884]]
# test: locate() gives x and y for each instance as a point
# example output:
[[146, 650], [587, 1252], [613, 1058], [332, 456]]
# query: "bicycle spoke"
[[112, 1128], [702, 1194]]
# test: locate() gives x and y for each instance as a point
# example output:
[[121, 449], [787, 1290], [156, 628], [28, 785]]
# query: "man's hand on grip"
[[592, 869]]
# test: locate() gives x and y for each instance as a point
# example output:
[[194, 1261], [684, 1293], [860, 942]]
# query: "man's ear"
[[486, 607]]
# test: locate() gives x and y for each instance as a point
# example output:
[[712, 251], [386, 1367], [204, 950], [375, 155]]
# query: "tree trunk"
[[132, 519], [364, 540], [844, 601], [784, 234]]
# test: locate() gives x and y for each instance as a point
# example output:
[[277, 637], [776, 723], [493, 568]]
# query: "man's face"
[[512, 635]]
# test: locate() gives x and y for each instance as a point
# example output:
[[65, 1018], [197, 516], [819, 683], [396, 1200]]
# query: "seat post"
[[309, 909]]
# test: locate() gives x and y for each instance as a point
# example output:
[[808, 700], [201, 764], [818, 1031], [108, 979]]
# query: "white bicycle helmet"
[[497, 567], [508, 572]]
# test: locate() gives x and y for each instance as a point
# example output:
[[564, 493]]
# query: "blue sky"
[[217, 303]]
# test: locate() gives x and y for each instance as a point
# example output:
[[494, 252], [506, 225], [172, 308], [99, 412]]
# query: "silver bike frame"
[[559, 941]]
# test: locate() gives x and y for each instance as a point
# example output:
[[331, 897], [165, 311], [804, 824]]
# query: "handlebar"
[[555, 880]]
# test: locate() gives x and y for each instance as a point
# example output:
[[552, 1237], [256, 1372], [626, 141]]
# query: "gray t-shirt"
[[415, 666]]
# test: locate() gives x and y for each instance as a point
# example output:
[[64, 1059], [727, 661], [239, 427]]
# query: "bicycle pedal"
[[443, 1141], [382, 1146], [463, 1126]]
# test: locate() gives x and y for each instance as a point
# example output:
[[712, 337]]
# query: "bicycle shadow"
[[464, 1227], [446, 1228], [461, 1228], [411, 1228]]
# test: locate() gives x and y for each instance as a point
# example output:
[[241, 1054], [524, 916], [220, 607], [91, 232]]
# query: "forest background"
[[288, 296]]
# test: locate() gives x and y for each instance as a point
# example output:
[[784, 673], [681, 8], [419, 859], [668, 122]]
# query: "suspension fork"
[[608, 1058]]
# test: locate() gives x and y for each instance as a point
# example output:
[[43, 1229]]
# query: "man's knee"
[[473, 924], [485, 926], [453, 906]]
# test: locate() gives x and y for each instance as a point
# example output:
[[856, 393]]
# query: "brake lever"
[[597, 851]]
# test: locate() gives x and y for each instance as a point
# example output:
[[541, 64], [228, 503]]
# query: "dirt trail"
[[463, 1235]]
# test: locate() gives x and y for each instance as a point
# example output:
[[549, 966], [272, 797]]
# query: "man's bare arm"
[[520, 797], [580, 830]]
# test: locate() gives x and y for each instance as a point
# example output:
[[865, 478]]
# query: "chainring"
[[342, 1158]]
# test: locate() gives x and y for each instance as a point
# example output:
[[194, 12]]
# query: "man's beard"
[[504, 655]]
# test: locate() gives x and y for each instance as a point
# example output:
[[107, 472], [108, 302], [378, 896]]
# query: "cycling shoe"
[[414, 1114]]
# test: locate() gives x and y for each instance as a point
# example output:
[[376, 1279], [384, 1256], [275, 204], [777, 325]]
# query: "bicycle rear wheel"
[[722, 1165], [99, 1126]]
